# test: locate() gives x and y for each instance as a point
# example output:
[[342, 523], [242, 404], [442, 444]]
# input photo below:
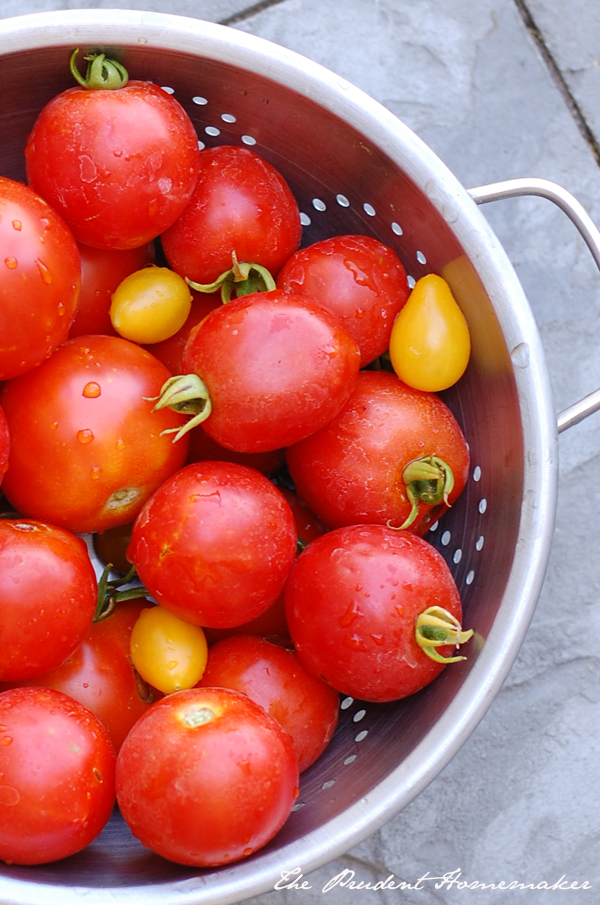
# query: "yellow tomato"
[[168, 653], [430, 344], [150, 305]]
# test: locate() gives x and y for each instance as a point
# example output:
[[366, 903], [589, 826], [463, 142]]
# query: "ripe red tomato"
[[86, 447], [119, 165], [206, 777], [100, 676], [4, 444], [214, 544], [48, 594], [276, 366], [354, 469], [41, 279], [102, 270], [240, 204], [357, 278], [352, 600], [58, 776], [272, 675]]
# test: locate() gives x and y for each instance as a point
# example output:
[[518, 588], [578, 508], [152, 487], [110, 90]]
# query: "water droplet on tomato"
[[172, 664], [11, 263], [120, 443], [378, 639], [118, 153], [350, 615], [85, 436], [92, 390], [6, 740], [44, 272], [54, 425], [17, 225], [95, 472]]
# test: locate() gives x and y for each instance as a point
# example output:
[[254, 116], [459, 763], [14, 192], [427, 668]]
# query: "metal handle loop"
[[544, 188]]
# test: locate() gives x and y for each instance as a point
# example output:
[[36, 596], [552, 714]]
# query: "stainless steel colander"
[[353, 168]]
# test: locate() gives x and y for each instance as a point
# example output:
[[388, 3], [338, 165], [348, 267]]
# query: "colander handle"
[[513, 188]]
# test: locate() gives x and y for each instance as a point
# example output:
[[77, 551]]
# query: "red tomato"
[[86, 447], [41, 279], [277, 367], [102, 271], [272, 675], [48, 594], [358, 279], [119, 165], [240, 204], [352, 600], [58, 776], [4, 444], [206, 777], [354, 469], [214, 544], [100, 676], [203, 447]]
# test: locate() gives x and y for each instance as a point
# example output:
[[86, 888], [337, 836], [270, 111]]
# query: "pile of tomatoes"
[[250, 435]]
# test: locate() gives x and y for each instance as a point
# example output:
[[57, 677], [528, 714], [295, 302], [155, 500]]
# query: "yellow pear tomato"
[[430, 344], [150, 305], [168, 653]]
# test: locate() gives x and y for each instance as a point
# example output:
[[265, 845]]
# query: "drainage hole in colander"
[[200, 101], [457, 556], [369, 209], [305, 219], [358, 716], [228, 118], [167, 89], [248, 140], [350, 759], [347, 702], [477, 473], [482, 505], [342, 201], [298, 805], [446, 538], [479, 543], [469, 577], [397, 229], [319, 205], [213, 131], [361, 735], [328, 784], [421, 258], [411, 282]]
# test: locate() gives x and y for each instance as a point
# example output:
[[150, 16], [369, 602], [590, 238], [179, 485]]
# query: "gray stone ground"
[[498, 88]]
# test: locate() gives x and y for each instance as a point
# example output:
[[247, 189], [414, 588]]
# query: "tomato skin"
[[100, 676], [351, 604], [4, 444], [430, 344], [47, 606], [277, 368], [357, 278], [214, 544], [270, 674], [210, 752], [240, 203], [86, 447], [119, 166], [41, 279], [351, 471], [102, 269], [58, 776]]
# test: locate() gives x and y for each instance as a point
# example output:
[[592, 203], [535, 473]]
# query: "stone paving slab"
[[498, 89]]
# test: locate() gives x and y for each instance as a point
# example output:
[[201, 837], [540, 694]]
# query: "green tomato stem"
[[429, 480], [109, 596], [436, 627], [188, 395], [240, 279], [101, 73]]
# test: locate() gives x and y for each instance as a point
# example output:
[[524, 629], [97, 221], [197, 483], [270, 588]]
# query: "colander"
[[353, 167]]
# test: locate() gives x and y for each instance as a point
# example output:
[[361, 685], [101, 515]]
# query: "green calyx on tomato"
[[101, 73], [240, 279], [428, 480], [436, 627], [109, 595], [187, 394]]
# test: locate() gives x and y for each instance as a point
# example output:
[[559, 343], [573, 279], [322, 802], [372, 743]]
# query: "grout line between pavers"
[[244, 14], [559, 79]]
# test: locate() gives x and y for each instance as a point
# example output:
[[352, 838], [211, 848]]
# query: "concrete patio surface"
[[498, 89]]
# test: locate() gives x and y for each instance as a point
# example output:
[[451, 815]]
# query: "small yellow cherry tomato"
[[430, 344], [168, 653], [150, 305]]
